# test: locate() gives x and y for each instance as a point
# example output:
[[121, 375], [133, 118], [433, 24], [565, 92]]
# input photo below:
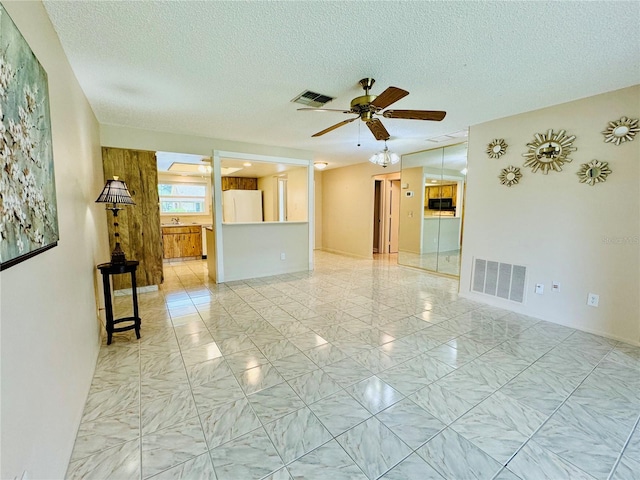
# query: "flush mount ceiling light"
[[320, 165], [204, 168], [385, 157], [246, 164]]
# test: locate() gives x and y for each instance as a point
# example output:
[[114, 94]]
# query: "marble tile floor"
[[359, 370]]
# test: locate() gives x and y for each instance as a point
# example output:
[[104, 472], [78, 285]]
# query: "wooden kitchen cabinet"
[[441, 191], [182, 241], [447, 191]]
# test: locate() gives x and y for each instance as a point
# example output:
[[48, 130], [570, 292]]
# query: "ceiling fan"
[[366, 106]]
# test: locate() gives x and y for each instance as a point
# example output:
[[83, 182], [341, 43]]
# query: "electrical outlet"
[[283, 256], [555, 286], [539, 288], [593, 300]]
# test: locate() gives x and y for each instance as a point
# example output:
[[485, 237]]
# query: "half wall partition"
[[278, 238]]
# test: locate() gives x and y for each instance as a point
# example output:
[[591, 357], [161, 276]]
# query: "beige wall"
[[254, 250], [48, 312], [297, 194], [585, 237], [126, 137], [317, 182], [411, 210], [347, 208]]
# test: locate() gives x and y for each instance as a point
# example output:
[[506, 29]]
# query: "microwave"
[[441, 204]]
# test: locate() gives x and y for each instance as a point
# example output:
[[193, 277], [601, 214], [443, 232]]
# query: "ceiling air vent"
[[312, 99]]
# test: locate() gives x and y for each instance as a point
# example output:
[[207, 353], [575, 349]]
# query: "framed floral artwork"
[[28, 209]]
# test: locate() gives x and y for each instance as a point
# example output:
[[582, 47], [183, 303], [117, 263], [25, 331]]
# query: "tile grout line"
[[140, 400], [303, 294], [635, 429], [190, 389], [184, 365], [246, 398], [556, 410]]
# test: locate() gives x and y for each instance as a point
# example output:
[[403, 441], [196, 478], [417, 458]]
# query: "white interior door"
[[394, 215]]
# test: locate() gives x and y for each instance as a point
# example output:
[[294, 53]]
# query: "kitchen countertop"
[[181, 224]]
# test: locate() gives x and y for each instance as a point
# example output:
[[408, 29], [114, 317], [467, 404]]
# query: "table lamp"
[[115, 192]]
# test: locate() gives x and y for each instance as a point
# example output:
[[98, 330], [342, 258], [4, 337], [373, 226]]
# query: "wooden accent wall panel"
[[140, 234], [239, 183]]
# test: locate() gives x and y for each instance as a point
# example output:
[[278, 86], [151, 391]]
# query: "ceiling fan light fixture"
[[385, 157], [320, 165]]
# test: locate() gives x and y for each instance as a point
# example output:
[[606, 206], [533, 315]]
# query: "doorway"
[[386, 212], [377, 216]]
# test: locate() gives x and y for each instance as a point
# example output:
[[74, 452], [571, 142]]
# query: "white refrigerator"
[[242, 206]]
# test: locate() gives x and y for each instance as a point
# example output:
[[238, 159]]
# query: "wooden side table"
[[108, 269]]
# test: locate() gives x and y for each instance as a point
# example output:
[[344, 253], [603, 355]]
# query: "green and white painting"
[[28, 211]]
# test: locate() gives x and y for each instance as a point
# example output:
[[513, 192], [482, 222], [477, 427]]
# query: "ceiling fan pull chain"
[[359, 133]]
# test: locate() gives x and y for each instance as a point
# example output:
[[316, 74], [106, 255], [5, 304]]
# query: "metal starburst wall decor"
[[510, 176], [549, 151], [620, 131]]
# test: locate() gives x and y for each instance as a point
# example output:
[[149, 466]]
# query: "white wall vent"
[[497, 279], [312, 99]]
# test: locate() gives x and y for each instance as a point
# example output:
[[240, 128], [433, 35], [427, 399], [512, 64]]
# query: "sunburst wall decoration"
[[549, 151], [620, 131], [594, 172], [497, 148], [510, 176]]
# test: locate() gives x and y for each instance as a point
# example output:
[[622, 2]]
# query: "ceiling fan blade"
[[324, 110], [435, 115], [333, 127], [378, 130], [389, 96]]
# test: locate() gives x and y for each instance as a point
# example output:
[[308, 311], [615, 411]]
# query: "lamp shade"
[[115, 191], [385, 157]]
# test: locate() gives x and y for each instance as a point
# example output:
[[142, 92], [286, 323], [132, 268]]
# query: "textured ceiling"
[[229, 69]]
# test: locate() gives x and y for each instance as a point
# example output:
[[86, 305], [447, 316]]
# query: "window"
[[182, 198]]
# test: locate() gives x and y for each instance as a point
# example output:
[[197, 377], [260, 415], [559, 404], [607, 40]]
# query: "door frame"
[[385, 202]]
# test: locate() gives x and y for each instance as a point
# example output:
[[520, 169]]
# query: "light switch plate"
[[539, 288], [555, 286]]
